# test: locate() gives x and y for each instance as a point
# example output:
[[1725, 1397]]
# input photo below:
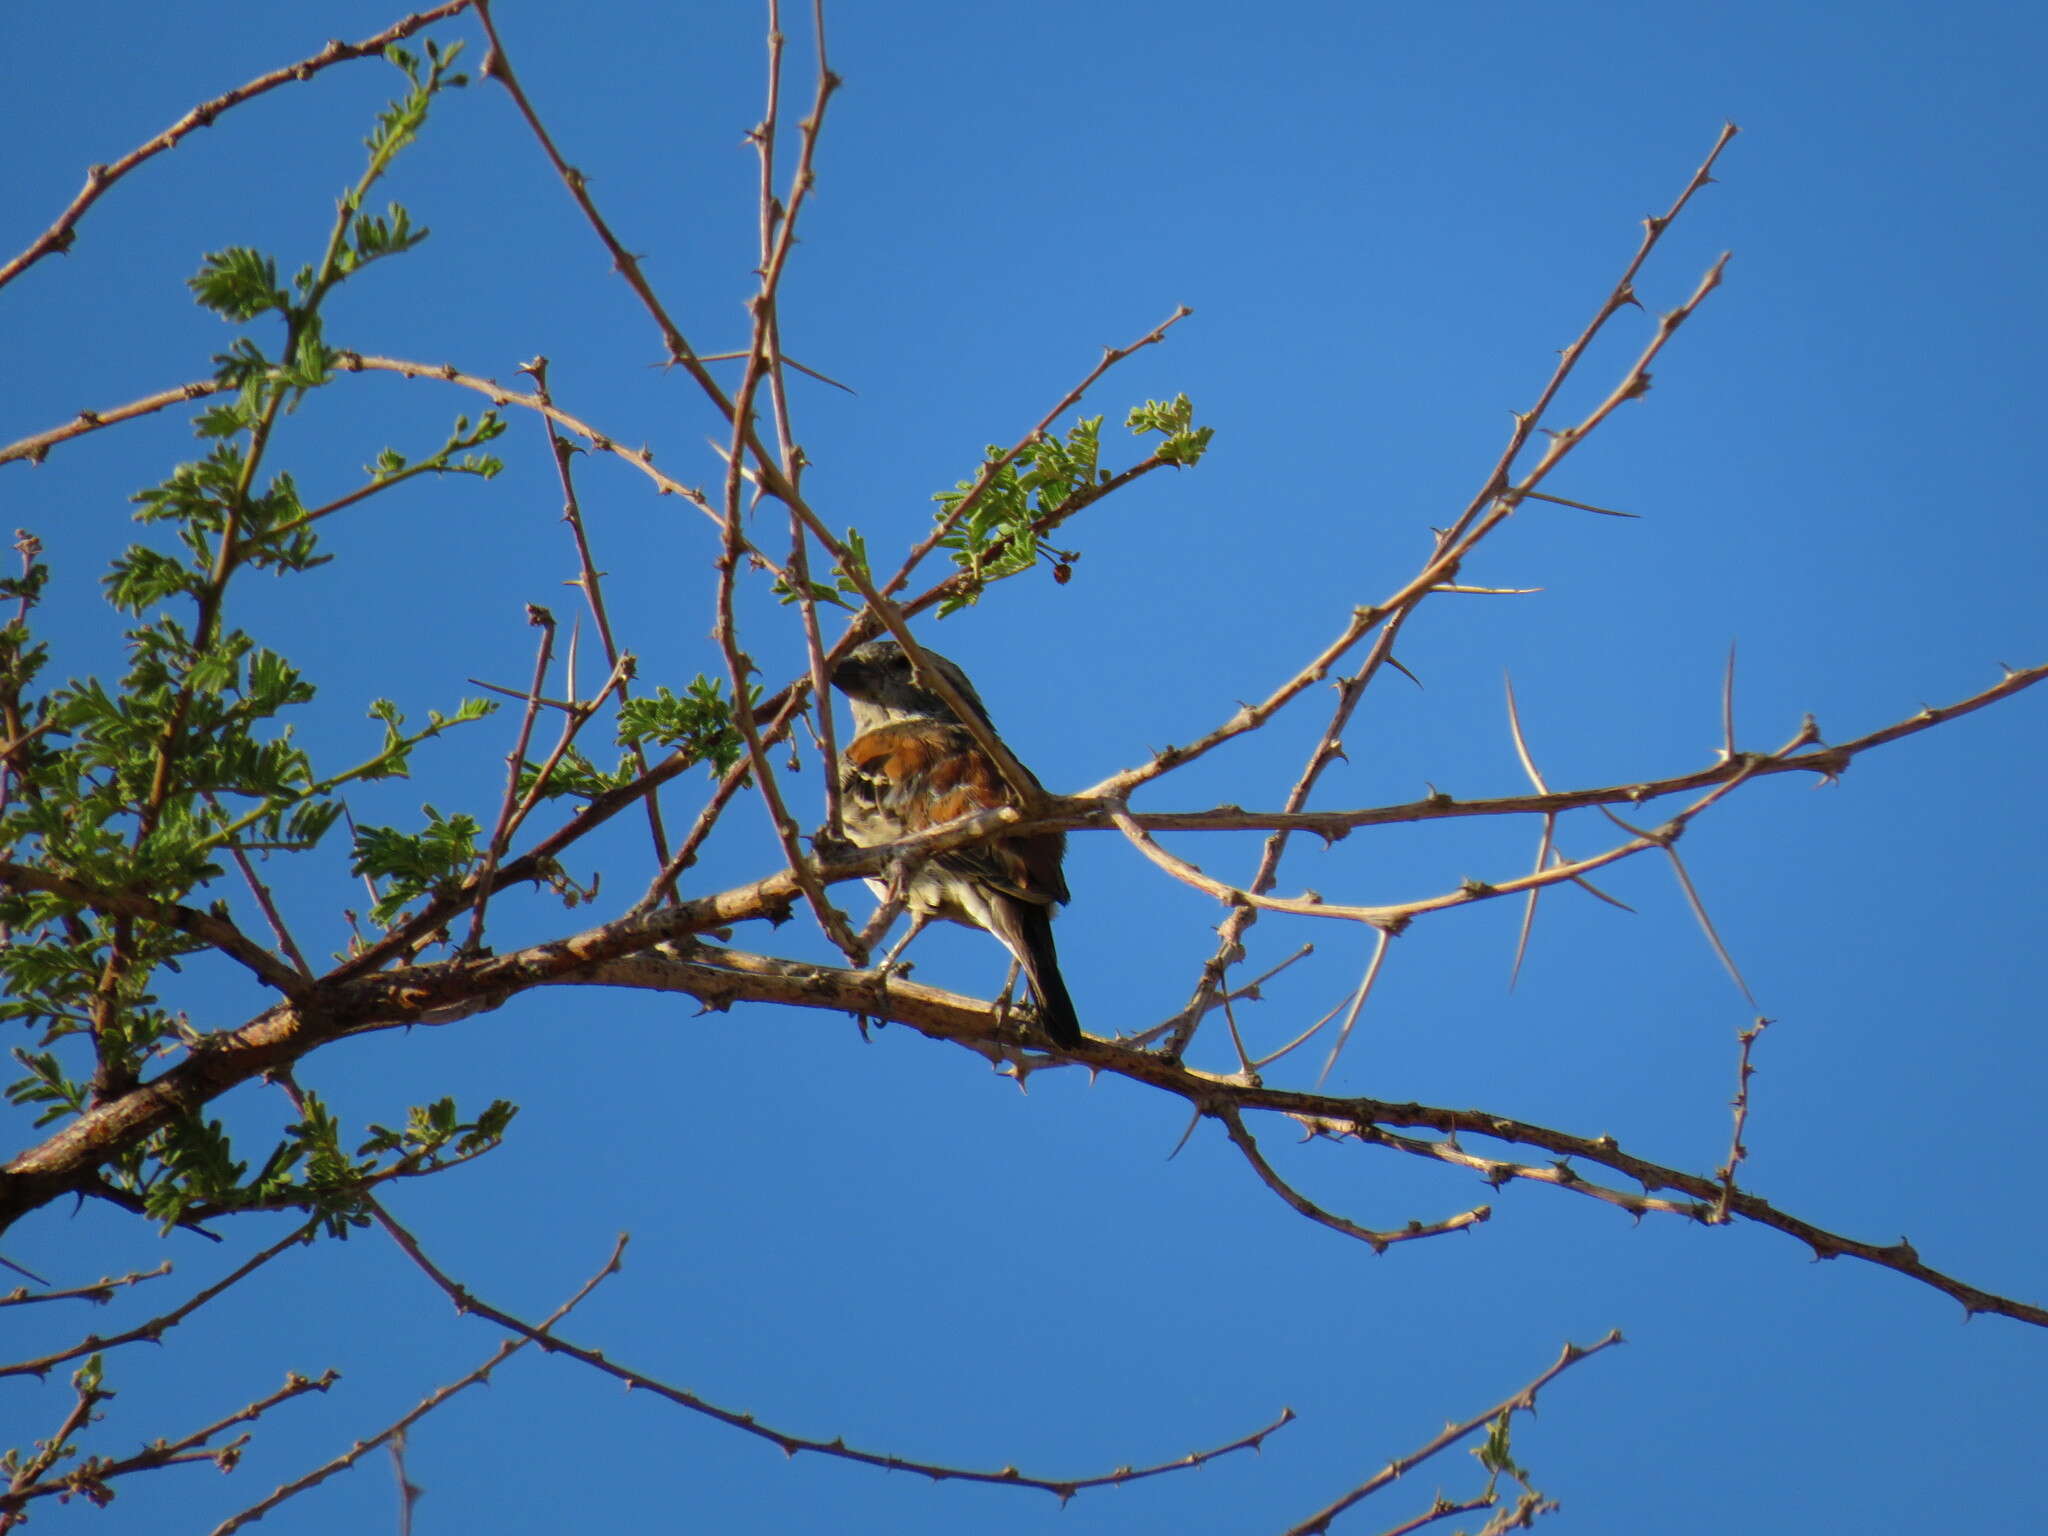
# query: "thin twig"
[[261, 892], [425, 1406], [990, 471], [1544, 844], [1728, 706], [1494, 502], [468, 1303], [100, 1293], [589, 579], [1583, 506], [60, 235], [86, 1396], [1737, 1148], [1302, 1038], [154, 1330], [778, 219], [1523, 1401], [1249, 989], [91, 1476], [1383, 939], [501, 833], [1379, 1242], [1442, 1509]]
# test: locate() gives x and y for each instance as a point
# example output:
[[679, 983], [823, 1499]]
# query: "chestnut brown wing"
[[912, 775]]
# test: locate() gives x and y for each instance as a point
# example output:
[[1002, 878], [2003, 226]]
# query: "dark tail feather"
[[1041, 964]]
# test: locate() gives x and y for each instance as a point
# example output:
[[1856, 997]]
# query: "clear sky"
[[1387, 220]]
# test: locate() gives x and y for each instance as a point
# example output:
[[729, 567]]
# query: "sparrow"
[[912, 765]]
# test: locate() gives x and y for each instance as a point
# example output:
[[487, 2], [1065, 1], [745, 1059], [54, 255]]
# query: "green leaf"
[[1184, 442], [577, 776], [142, 577], [998, 535], [700, 723], [416, 864], [200, 1165], [238, 284]]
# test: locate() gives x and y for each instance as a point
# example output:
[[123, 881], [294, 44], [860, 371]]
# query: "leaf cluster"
[[997, 534], [125, 799], [699, 722], [994, 524]]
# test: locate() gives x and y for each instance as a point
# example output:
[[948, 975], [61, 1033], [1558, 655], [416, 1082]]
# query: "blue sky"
[[1387, 220]]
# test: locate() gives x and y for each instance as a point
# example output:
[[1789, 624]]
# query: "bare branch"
[[1523, 1401], [154, 1330], [501, 833], [99, 1294], [1381, 941], [60, 235], [1379, 1242], [91, 1476], [468, 1303], [397, 1428], [1737, 1150], [589, 579]]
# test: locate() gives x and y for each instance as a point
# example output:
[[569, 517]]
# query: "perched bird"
[[913, 765]]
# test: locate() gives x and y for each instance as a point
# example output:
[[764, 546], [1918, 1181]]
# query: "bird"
[[912, 765]]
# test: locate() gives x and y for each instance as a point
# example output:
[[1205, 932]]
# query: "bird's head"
[[879, 679]]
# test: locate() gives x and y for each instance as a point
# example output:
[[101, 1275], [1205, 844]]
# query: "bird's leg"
[[1005, 998], [893, 894], [882, 972], [917, 923]]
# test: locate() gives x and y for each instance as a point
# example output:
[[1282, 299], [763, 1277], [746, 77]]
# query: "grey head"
[[878, 679]]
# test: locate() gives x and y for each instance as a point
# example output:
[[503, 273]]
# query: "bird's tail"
[[1030, 939]]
